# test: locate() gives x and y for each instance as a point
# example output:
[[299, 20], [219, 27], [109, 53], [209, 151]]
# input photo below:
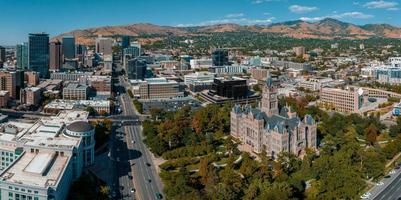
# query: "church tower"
[[269, 98]]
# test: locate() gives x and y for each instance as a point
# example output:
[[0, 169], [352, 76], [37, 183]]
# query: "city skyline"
[[56, 17]]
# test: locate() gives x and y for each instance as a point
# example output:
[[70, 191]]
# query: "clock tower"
[[269, 98]]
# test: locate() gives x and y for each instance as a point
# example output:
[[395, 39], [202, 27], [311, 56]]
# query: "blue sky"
[[20, 17]]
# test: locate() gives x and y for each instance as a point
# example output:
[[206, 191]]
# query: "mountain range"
[[325, 29]]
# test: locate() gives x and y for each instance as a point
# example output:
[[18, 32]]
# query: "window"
[[10, 187], [16, 188], [10, 194], [22, 189], [36, 192], [35, 198], [29, 191]]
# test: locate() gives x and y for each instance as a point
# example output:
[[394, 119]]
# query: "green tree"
[[371, 133]]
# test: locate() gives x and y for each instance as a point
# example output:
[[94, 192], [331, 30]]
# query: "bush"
[[138, 106]]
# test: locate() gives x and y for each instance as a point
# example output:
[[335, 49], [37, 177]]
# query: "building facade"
[[69, 47], [265, 129], [8, 81], [104, 46], [136, 69], [38, 53], [4, 97], [220, 57], [340, 100], [75, 91], [56, 56], [22, 55], [32, 78], [157, 88], [31, 96]]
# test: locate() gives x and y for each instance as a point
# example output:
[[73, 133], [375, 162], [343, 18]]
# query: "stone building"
[[267, 128]]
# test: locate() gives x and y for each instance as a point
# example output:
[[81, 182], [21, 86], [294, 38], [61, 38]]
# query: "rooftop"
[[73, 104], [36, 169]]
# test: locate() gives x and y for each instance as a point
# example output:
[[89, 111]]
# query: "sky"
[[20, 17]]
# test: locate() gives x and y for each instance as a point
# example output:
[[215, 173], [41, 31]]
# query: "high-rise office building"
[[220, 57], [8, 81], [80, 50], [20, 76], [56, 56], [22, 55], [2, 54], [104, 46], [38, 53], [69, 47], [125, 41], [136, 69]]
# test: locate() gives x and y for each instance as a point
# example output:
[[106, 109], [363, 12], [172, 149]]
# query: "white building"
[[203, 63], [47, 156], [315, 84], [198, 77]]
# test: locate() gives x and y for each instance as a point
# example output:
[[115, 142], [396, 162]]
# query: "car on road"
[[398, 167], [132, 190], [388, 176], [148, 164], [392, 172], [380, 183], [159, 196], [130, 177], [150, 180], [366, 195]]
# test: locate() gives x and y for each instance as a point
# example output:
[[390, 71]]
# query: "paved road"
[[392, 189], [135, 158], [146, 179]]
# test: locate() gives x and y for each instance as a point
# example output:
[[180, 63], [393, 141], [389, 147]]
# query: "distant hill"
[[325, 29]]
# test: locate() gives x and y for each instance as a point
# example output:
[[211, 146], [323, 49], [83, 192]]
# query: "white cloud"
[[310, 19], [242, 21], [262, 1], [235, 15], [357, 15], [389, 5], [353, 15], [301, 9], [257, 1]]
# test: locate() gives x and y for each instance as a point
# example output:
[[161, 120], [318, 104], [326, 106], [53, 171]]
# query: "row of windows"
[[22, 190], [21, 197], [6, 153]]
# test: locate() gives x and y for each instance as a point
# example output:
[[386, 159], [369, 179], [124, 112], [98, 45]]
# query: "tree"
[[91, 111], [371, 133]]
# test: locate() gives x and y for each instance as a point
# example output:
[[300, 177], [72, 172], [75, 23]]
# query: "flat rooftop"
[[36, 169], [71, 104]]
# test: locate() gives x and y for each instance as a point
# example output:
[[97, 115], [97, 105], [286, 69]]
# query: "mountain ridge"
[[327, 28]]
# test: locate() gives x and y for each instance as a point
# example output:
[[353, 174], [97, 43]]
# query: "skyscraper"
[[125, 41], [2, 54], [136, 69], [22, 55], [220, 57], [56, 56], [38, 53], [104, 46], [69, 47]]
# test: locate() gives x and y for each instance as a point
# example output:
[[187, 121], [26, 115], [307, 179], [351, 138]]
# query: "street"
[[135, 172]]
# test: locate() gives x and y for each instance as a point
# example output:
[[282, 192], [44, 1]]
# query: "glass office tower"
[[38, 53], [22, 55], [69, 47]]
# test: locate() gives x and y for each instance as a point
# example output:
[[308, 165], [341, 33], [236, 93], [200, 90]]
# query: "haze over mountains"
[[325, 29]]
